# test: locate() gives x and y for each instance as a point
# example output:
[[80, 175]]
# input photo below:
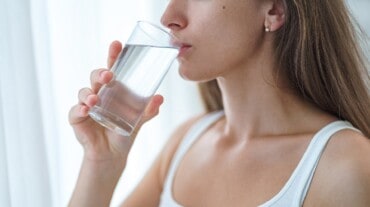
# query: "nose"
[[174, 16]]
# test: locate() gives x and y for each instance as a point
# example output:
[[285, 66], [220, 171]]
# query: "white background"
[[70, 39]]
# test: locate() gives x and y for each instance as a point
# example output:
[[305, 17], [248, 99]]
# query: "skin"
[[252, 151]]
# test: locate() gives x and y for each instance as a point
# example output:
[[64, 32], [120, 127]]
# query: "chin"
[[186, 77], [197, 74], [188, 73], [196, 77]]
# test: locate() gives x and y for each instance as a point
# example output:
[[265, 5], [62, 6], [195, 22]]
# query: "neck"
[[256, 105]]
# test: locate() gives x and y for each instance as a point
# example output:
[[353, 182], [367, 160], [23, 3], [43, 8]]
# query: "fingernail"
[[101, 75]]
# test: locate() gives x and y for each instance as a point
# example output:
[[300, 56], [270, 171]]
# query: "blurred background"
[[47, 50]]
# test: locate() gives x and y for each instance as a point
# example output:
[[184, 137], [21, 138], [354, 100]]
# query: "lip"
[[182, 47], [183, 50]]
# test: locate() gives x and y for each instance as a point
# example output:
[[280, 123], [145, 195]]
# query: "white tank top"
[[295, 189]]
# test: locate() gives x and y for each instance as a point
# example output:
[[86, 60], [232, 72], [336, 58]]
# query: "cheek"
[[212, 60], [219, 49], [236, 48]]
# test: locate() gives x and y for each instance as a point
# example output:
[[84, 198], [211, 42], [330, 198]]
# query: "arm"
[[105, 152], [96, 183], [98, 178]]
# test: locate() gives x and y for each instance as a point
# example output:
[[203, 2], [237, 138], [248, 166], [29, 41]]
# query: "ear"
[[275, 15]]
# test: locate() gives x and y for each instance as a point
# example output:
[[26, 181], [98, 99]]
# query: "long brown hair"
[[318, 52]]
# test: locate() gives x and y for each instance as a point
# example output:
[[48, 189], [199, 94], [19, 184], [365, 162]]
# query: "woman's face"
[[216, 36]]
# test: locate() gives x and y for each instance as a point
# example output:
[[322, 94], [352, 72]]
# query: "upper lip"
[[179, 44]]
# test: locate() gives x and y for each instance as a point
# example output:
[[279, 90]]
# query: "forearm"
[[96, 183]]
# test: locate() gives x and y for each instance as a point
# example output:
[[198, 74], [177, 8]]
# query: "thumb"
[[153, 108], [150, 112]]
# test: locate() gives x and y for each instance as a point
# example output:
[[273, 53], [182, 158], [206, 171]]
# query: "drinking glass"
[[137, 73]]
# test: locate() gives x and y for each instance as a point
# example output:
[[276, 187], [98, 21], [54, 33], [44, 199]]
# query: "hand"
[[100, 143]]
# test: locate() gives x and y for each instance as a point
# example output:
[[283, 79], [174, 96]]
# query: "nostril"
[[174, 26]]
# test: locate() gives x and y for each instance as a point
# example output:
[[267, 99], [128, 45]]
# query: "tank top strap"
[[295, 190], [191, 136], [314, 153]]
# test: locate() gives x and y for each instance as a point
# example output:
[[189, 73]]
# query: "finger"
[[114, 50], [87, 97], [153, 108], [100, 77], [78, 113]]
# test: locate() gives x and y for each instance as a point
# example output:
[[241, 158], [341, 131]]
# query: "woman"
[[289, 71]]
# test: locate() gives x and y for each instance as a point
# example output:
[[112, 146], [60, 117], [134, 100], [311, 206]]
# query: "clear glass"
[[138, 72]]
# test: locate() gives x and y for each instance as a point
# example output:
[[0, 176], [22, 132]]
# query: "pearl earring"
[[267, 29]]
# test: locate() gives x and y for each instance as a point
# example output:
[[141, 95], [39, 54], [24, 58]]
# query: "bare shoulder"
[[349, 145], [350, 149], [343, 174]]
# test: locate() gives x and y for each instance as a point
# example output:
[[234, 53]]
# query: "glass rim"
[[161, 32], [163, 29]]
